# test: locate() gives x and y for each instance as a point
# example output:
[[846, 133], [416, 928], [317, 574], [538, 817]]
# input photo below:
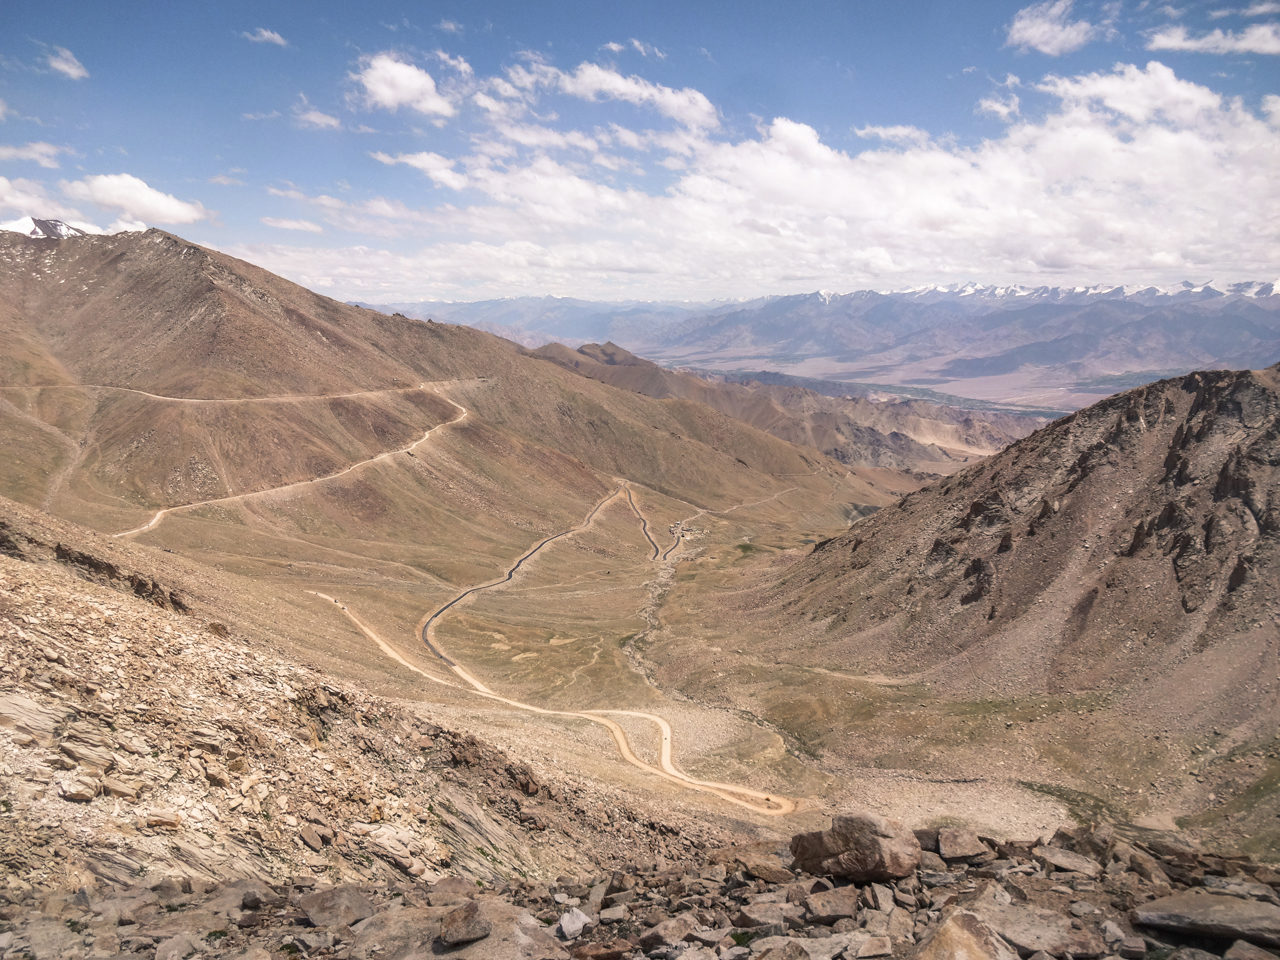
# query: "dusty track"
[[155, 521], [742, 796]]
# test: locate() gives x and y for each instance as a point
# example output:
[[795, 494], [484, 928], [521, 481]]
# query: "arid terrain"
[[295, 586]]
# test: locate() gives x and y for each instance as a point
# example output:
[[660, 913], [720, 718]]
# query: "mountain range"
[[604, 587], [1048, 347]]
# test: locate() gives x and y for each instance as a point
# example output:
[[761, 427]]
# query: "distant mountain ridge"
[[1052, 347]]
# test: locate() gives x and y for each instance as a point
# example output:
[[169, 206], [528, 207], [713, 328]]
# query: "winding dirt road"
[[301, 484], [754, 800]]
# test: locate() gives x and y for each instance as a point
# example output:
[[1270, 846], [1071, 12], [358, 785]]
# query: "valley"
[[727, 609]]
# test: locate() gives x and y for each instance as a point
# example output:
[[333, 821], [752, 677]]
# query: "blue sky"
[[397, 151]]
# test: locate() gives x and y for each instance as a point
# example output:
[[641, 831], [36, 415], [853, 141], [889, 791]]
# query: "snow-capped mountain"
[[44, 229]]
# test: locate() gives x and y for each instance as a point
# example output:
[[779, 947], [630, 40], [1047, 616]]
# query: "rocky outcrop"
[[860, 847], [1000, 902]]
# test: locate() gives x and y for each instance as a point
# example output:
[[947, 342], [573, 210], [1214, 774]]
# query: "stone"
[[615, 949], [759, 915], [959, 843], [861, 847], [515, 935], [1133, 948], [765, 868], [876, 947], [464, 924], [1227, 917], [336, 906], [310, 837], [1243, 950], [964, 936], [1030, 928], [614, 914], [78, 789], [1066, 860], [572, 923], [788, 950], [828, 906], [449, 891], [669, 932], [177, 948], [396, 932]]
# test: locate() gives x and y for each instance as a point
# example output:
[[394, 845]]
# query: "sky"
[[706, 149]]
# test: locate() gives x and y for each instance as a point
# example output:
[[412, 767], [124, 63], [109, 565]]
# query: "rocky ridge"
[[140, 737], [1089, 892]]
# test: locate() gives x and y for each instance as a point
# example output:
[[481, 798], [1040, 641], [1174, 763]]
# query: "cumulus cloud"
[[263, 35], [305, 226], [1130, 175], [390, 83], [1047, 27], [134, 198], [64, 62], [44, 154], [1258, 38]]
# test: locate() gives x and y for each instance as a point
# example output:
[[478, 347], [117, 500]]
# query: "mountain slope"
[[1093, 609], [903, 435]]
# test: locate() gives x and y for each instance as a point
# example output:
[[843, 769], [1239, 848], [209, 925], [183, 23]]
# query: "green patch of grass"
[[213, 936], [742, 937]]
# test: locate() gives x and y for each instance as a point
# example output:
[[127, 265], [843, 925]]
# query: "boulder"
[[959, 843], [572, 923], [964, 936], [1031, 929], [336, 906], [668, 933], [1061, 859], [828, 906], [1213, 915], [464, 924], [861, 847]]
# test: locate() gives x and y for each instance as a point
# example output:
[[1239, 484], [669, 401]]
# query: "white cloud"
[[900, 133], [226, 180], [646, 49], [4, 110], [1129, 175], [1259, 38], [45, 154], [317, 119], [305, 115], [449, 26], [134, 198], [438, 168], [613, 47], [305, 226], [1005, 108], [1046, 27], [1264, 8], [591, 81], [1172, 12], [458, 64], [65, 62], [263, 35], [390, 83]]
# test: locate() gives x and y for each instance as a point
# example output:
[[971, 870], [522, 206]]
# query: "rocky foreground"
[[865, 888]]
